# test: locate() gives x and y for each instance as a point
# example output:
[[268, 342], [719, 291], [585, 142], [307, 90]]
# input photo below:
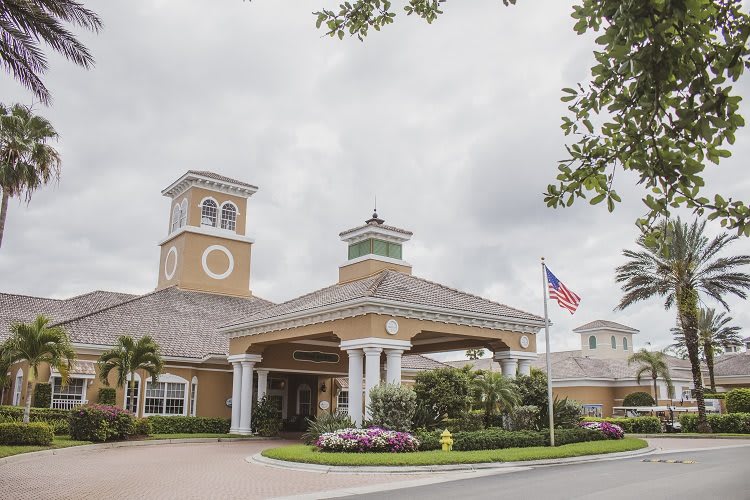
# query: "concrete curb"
[[746, 437], [122, 444], [421, 469]]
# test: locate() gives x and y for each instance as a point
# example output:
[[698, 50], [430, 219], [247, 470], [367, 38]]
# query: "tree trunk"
[[708, 349], [3, 213], [656, 392], [687, 303], [131, 393], [29, 391]]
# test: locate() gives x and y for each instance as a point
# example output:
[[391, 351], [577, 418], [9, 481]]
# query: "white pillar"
[[262, 383], [524, 367], [236, 392], [372, 373], [246, 397], [509, 367], [355, 385], [393, 365]]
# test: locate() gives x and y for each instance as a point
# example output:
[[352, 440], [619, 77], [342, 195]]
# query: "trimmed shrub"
[[42, 396], [493, 439], [107, 396], [426, 418], [326, 423], [611, 431], [567, 413], [522, 418], [714, 395], [392, 407], [735, 423], [36, 415], [638, 399], [266, 418], [189, 425], [447, 391], [738, 401], [575, 435], [142, 427], [472, 421], [101, 423], [34, 433], [373, 439], [635, 425]]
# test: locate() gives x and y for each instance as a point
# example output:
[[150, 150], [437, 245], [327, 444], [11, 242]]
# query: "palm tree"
[[687, 265], [126, 358], [475, 354], [26, 160], [715, 336], [498, 392], [38, 343], [24, 24], [655, 365]]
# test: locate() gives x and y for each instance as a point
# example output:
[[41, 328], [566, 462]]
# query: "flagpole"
[[550, 404]]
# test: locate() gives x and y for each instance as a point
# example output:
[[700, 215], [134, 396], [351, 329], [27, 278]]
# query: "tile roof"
[[220, 178], [732, 364], [396, 286], [419, 362], [572, 364], [376, 224], [601, 323], [485, 364], [182, 322]]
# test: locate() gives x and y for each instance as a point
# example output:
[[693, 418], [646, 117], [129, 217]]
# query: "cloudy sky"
[[454, 126]]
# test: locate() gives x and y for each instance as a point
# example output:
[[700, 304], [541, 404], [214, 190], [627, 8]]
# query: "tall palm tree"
[[27, 161], [24, 24], [38, 343], [654, 364], [716, 335], [498, 392], [688, 265], [127, 357]]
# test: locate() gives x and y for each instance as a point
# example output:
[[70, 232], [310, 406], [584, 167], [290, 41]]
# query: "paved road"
[[718, 474]]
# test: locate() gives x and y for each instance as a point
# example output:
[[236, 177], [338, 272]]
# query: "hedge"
[[495, 439], [636, 425], [472, 421], [37, 414], [638, 399], [735, 423], [107, 396], [101, 423], [34, 433], [42, 396], [738, 401], [189, 425], [714, 395]]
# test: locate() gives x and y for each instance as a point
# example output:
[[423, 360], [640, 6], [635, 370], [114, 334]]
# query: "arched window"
[[132, 394], [624, 343], [168, 396], [183, 213], [228, 216], [304, 400], [17, 388], [613, 340], [193, 395], [592, 342], [208, 213], [176, 215]]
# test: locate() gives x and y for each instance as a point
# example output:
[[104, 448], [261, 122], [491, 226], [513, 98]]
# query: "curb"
[[745, 437], [123, 444], [416, 469]]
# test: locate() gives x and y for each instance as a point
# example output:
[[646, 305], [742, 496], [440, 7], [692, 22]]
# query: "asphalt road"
[[717, 474]]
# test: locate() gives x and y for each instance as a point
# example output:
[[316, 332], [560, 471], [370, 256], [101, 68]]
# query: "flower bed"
[[612, 431], [367, 440]]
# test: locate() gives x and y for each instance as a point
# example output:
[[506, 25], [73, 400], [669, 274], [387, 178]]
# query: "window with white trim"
[[193, 395], [176, 215], [183, 213], [72, 392], [228, 216], [624, 343], [132, 394], [592, 342], [592, 410], [209, 212], [613, 341], [17, 388], [342, 402], [304, 400], [166, 397]]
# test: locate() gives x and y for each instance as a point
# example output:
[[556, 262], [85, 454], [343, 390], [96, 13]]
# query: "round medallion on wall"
[[524, 341], [229, 265], [391, 326], [170, 263], [229, 402], [324, 405]]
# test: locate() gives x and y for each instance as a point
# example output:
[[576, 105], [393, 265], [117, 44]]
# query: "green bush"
[[472, 421], [574, 435], [59, 427], [107, 396], [636, 425], [42, 396], [142, 427], [392, 407], [714, 395], [189, 425], [735, 423], [522, 418], [638, 399], [567, 413], [326, 422], [36, 415], [101, 423], [494, 439], [738, 401], [446, 391], [266, 418], [34, 433], [426, 418]]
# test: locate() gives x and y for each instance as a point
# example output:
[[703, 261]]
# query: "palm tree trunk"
[[29, 391], [3, 213], [656, 393], [708, 349], [131, 391], [687, 304]]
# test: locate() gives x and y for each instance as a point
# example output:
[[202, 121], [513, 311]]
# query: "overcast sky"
[[455, 127]]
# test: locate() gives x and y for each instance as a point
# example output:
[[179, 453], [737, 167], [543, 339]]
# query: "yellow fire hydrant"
[[446, 440]]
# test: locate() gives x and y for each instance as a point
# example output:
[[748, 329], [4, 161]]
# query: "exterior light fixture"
[[323, 387]]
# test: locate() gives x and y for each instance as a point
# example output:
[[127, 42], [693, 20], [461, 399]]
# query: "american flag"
[[565, 298]]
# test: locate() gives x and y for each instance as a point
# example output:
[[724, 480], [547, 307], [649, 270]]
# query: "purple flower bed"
[[612, 431], [364, 440]]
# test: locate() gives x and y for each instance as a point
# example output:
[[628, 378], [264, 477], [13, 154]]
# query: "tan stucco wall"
[[366, 268], [195, 196], [604, 345], [588, 395], [280, 357]]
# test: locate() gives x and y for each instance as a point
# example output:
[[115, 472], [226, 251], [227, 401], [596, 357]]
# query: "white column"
[[372, 373], [524, 367], [246, 397], [262, 383], [236, 392], [509, 367], [393, 365], [355, 385]]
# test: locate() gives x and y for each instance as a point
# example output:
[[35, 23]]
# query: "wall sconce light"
[[323, 387]]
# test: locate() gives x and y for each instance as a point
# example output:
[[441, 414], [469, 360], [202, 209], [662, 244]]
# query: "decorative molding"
[[226, 252], [325, 343], [513, 355], [191, 179], [208, 231], [372, 256], [379, 232], [170, 274], [375, 342], [238, 358]]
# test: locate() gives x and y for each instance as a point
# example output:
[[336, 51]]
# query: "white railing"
[[67, 404]]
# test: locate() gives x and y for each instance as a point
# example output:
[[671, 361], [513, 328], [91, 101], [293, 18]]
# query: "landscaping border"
[[665, 435]]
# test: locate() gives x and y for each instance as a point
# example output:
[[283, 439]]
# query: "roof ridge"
[[98, 291], [137, 297], [32, 296], [376, 283]]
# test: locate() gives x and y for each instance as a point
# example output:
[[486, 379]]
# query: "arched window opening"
[[193, 395], [18, 388], [304, 400], [625, 343], [228, 217], [168, 396], [592, 342], [613, 340], [176, 215], [208, 213], [132, 394], [183, 213]]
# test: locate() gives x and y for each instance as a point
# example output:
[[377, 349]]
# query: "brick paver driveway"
[[199, 470]]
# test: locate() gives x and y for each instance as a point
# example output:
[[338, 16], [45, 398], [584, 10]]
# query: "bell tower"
[[207, 249]]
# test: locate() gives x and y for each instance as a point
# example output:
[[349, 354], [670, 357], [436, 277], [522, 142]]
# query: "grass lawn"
[[308, 454], [58, 442], [189, 436]]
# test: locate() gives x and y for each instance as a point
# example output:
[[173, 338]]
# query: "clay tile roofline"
[[137, 297]]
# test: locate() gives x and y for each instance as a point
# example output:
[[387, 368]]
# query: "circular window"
[[170, 263], [208, 271]]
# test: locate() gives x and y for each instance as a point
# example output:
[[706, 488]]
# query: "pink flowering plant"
[[367, 440], [612, 431], [101, 423]]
